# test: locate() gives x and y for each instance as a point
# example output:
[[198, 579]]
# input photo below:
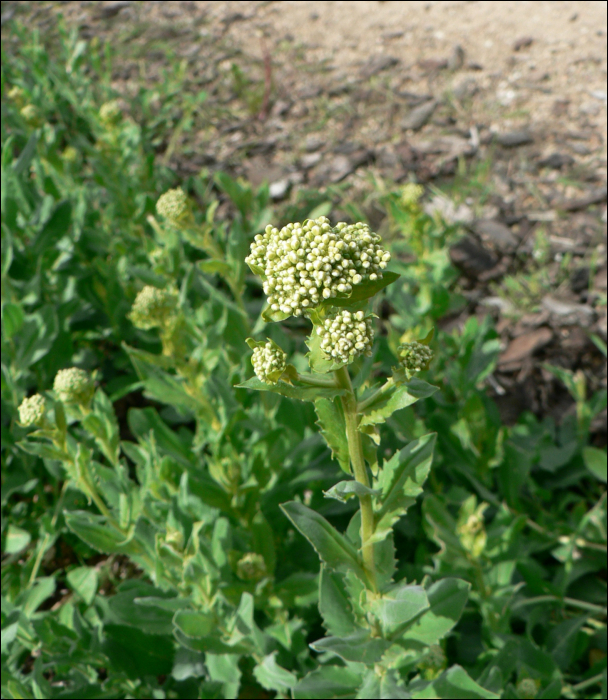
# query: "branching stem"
[[355, 448]]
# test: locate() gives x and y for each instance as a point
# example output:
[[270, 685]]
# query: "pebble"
[[497, 233], [556, 161], [522, 347], [467, 255], [376, 64], [419, 116], [512, 139], [279, 188]]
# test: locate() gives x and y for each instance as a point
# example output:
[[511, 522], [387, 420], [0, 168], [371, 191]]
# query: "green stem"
[[573, 602], [355, 448], [585, 684], [388, 386]]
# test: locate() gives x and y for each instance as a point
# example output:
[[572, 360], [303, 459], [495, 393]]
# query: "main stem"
[[355, 448]]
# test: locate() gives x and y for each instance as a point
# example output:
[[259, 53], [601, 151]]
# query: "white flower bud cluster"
[[73, 385], [303, 264], [109, 112], [415, 356], [268, 363], [344, 335], [153, 307], [31, 410], [411, 194], [173, 205]]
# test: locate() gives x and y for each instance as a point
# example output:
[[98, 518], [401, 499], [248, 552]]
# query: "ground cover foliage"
[[145, 552]]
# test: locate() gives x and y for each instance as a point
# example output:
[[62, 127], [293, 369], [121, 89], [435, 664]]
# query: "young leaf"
[[454, 683], [302, 393], [84, 580], [334, 607], [595, 461], [394, 399], [319, 361], [401, 480], [398, 607], [272, 676], [359, 647], [344, 490], [382, 686], [447, 599], [331, 682], [362, 291], [331, 546], [333, 428]]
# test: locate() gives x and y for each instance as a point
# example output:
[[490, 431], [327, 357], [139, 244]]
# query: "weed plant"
[[156, 509]]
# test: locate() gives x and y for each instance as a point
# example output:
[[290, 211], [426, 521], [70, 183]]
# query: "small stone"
[[446, 209], [113, 8], [523, 43], [579, 280], [313, 143], [376, 64], [456, 58], [512, 139], [419, 116], [556, 161], [495, 232], [471, 258], [278, 189], [523, 346], [568, 314], [594, 197]]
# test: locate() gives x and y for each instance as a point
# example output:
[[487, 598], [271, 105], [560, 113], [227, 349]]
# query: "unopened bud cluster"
[[527, 688], [268, 363], [31, 410], [303, 264], [173, 205], [74, 385], [109, 112], [31, 114], [153, 307], [415, 356], [411, 194], [344, 335], [251, 567]]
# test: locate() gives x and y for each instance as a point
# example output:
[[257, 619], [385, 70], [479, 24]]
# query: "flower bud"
[[74, 385], [527, 688], [410, 195], [173, 206], [153, 307], [414, 357], [32, 410], [344, 335], [268, 362], [109, 112], [251, 567]]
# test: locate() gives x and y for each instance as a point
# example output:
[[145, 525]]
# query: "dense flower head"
[[109, 112], [31, 114], [303, 264], [527, 688], [268, 362], [153, 307], [31, 410], [345, 334], [17, 95], [251, 567], [410, 194], [415, 356], [74, 385], [173, 205]]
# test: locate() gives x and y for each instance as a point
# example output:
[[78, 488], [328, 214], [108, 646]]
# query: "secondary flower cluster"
[[153, 307], [173, 205], [415, 356], [74, 385], [268, 363], [344, 335], [31, 410], [303, 264]]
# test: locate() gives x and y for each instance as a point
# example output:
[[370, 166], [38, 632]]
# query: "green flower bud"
[[31, 114], [433, 662], [527, 688], [173, 206], [251, 567], [153, 307], [345, 335], [411, 194], [268, 362], [414, 357], [109, 112], [305, 264], [70, 154], [74, 385], [17, 95], [32, 410]]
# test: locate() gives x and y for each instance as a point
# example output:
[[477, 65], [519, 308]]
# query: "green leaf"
[[454, 683], [194, 624], [55, 228], [595, 461], [401, 480], [40, 449], [149, 619], [359, 647], [394, 399], [365, 290], [382, 687], [447, 599], [344, 490], [33, 597], [399, 607], [302, 393], [97, 533], [334, 605], [136, 653], [16, 539], [333, 428], [331, 546], [272, 676], [12, 319], [319, 361], [224, 668], [562, 640], [331, 682], [84, 581], [212, 266], [210, 644], [263, 541]]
